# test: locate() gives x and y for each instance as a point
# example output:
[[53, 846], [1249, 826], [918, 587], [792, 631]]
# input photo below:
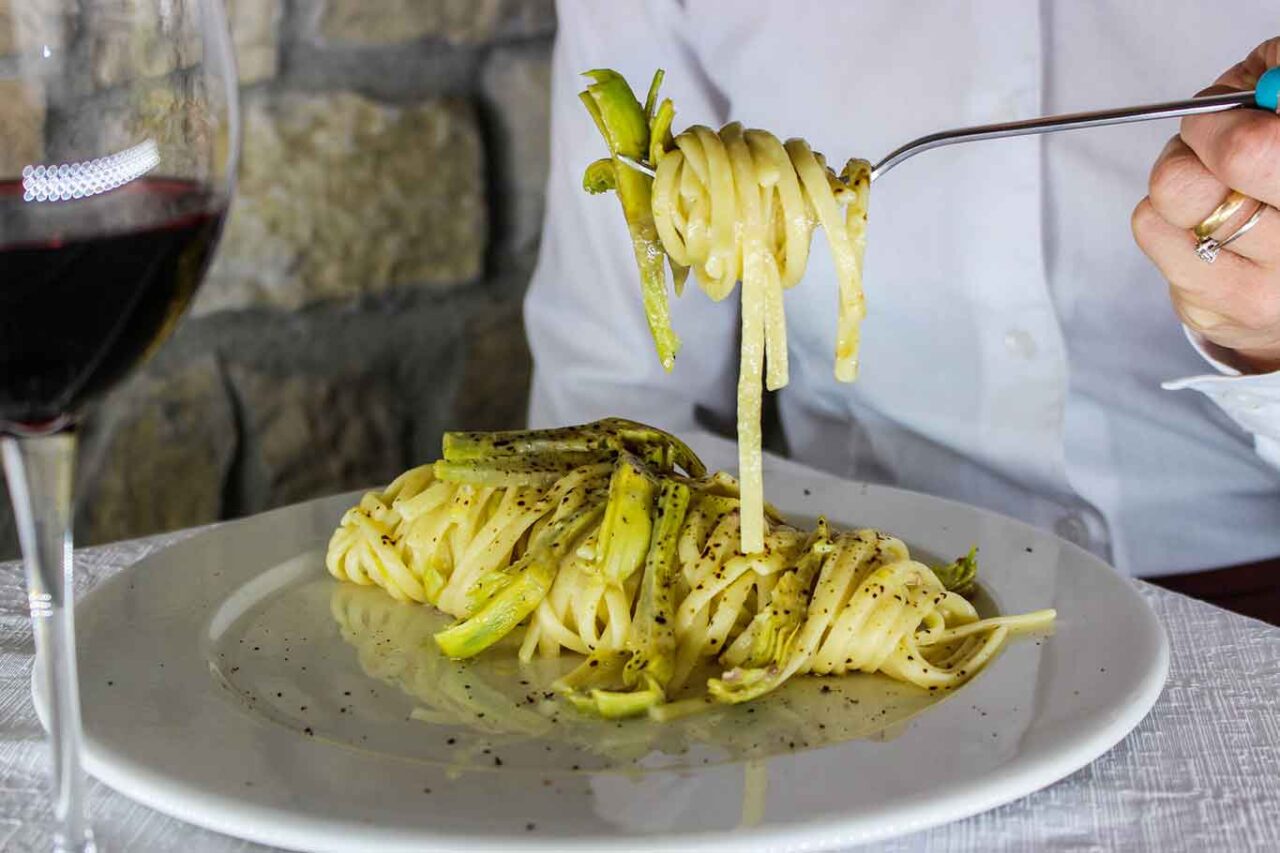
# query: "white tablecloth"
[[1202, 772]]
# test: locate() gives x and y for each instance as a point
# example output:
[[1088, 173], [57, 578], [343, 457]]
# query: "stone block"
[[359, 22], [520, 19], [133, 39], [27, 26], [129, 41], [8, 29], [516, 84], [312, 435], [156, 455], [394, 73], [340, 196], [496, 371], [176, 120], [255, 33], [21, 127]]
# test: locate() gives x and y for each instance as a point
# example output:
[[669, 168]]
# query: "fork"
[[1264, 96]]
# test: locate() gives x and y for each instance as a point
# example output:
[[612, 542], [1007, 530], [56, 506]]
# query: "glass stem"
[[39, 470]]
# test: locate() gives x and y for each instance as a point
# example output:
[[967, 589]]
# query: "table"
[[1202, 772]]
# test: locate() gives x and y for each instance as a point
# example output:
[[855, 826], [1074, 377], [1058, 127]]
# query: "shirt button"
[[1073, 529], [1020, 343]]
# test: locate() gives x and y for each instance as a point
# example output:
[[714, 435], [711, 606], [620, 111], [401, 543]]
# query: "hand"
[[1234, 302]]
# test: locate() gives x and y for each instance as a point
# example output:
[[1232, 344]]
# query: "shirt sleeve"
[[1252, 401], [592, 352]]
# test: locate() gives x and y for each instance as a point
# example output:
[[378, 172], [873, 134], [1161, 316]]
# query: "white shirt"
[[1016, 338]]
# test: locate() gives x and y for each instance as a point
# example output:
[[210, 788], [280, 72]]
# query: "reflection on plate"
[[279, 660]]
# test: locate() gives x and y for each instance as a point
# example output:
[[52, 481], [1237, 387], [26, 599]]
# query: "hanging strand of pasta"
[[738, 205], [642, 569]]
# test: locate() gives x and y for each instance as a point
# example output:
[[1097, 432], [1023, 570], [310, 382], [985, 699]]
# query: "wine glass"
[[119, 135]]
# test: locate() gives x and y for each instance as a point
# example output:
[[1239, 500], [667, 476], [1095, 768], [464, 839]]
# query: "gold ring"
[[1208, 248], [1219, 217]]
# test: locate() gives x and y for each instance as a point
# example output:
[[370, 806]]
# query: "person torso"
[[1016, 337]]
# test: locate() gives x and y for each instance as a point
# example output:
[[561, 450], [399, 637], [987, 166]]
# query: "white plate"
[[218, 687]]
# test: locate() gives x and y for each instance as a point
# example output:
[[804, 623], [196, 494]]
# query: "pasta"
[[734, 205], [612, 541]]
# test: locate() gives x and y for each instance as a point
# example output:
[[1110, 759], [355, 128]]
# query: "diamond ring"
[[1208, 248]]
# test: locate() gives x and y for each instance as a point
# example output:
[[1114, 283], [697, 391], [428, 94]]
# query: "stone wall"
[[366, 295]]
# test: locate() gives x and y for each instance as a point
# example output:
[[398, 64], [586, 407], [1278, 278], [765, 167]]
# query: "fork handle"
[[1267, 92], [1265, 96]]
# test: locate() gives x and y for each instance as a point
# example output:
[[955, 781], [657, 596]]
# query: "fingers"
[[1184, 192], [1245, 74], [1172, 249], [1249, 337], [1259, 243], [1241, 148], [1235, 301], [1230, 300]]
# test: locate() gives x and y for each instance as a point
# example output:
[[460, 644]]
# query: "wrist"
[[1247, 361], [1258, 361], [1250, 360]]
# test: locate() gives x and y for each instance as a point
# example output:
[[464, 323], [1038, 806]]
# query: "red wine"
[[88, 288]]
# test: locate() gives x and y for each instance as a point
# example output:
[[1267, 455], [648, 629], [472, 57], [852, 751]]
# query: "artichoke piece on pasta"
[[594, 441], [961, 575], [646, 665], [625, 126], [624, 532], [503, 473], [511, 594]]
